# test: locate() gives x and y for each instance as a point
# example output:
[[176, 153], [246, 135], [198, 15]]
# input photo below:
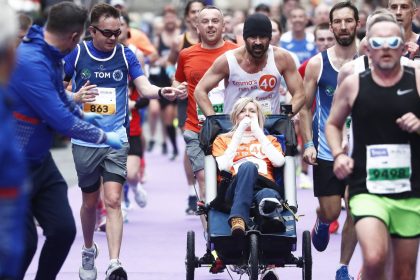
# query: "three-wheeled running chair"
[[257, 251]]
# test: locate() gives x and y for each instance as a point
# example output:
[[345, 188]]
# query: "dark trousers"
[[50, 206], [242, 193]]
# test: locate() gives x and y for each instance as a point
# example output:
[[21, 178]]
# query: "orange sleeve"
[[275, 143], [219, 146]]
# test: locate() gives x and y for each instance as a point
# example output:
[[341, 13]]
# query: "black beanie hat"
[[257, 25]]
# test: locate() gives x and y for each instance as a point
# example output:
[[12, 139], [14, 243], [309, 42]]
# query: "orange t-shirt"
[[193, 62], [250, 151]]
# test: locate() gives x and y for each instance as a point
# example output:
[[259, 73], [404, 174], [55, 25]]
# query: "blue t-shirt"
[[110, 72]]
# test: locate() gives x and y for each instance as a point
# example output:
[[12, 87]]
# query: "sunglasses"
[[108, 33], [379, 42]]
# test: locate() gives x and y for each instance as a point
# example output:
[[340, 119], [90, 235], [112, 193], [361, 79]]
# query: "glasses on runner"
[[379, 42], [108, 33]]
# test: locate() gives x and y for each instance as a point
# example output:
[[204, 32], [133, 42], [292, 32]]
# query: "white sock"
[[191, 190], [91, 248], [113, 261], [341, 265]]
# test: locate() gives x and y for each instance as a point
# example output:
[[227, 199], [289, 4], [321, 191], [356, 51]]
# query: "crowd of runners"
[[349, 71]]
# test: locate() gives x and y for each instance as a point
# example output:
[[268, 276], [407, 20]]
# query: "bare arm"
[[292, 78], [175, 83], [218, 71], [310, 83], [345, 71], [341, 107], [150, 91]]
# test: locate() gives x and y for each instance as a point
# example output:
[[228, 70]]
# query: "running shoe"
[[269, 275], [320, 235], [88, 270], [334, 227], [343, 274], [192, 205], [115, 271], [140, 195]]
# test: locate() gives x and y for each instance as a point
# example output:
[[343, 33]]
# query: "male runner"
[[321, 81], [255, 70], [383, 171], [107, 64]]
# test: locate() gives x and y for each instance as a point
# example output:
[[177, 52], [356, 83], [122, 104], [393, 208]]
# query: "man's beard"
[[251, 49], [345, 42]]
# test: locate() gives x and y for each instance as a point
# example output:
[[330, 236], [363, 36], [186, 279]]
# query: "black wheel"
[[253, 257], [190, 259], [306, 256]]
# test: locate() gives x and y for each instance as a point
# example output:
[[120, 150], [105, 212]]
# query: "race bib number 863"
[[104, 104]]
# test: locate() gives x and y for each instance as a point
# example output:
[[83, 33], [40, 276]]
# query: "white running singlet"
[[263, 86]]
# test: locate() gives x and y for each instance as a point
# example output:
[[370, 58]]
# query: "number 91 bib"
[[388, 168], [216, 96], [104, 104]]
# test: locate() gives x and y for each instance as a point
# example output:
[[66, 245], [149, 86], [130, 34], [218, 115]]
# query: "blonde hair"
[[240, 105]]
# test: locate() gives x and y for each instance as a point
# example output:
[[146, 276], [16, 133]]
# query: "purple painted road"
[[154, 240]]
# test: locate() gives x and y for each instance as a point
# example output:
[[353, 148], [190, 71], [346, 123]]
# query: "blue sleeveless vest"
[[111, 77], [327, 84]]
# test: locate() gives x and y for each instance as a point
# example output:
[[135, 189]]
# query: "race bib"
[[104, 104], [388, 168], [216, 96], [259, 163]]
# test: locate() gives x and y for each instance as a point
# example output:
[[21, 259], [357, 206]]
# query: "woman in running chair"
[[250, 156]]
